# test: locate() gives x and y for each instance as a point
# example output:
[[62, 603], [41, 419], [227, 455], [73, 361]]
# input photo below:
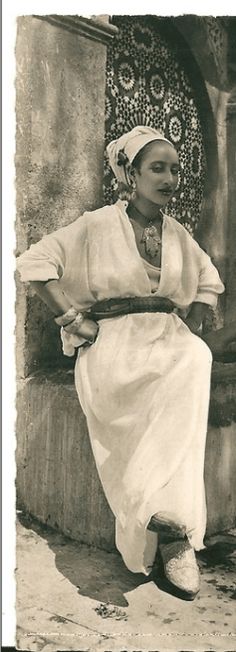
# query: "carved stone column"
[[60, 109], [230, 312]]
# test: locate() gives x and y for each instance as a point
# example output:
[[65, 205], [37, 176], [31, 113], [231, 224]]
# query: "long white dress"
[[144, 384]]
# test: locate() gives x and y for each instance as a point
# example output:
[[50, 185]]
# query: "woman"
[[117, 280]]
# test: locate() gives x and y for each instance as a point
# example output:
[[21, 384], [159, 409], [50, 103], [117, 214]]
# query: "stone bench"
[[57, 481]]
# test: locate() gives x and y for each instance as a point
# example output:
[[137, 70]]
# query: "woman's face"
[[157, 176]]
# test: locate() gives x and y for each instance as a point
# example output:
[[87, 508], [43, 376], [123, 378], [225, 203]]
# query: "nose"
[[170, 180], [169, 177]]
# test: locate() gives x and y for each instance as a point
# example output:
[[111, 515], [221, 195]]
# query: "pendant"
[[151, 240]]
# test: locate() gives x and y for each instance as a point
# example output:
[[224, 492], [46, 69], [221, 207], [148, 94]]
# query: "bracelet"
[[76, 323], [67, 317], [78, 319]]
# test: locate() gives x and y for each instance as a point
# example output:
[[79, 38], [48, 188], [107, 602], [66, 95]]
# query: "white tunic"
[[144, 384]]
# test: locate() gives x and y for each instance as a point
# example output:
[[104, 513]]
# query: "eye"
[[175, 170], [157, 168]]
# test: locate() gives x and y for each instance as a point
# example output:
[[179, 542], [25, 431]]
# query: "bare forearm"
[[197, 313], [51, 293]]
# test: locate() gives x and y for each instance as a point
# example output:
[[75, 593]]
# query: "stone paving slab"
[[71, 597]]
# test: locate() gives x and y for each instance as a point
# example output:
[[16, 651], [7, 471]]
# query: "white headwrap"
[[124, 149]]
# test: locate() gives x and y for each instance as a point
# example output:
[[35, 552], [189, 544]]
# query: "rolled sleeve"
[[42, 261], [210, 284], [210, 298]]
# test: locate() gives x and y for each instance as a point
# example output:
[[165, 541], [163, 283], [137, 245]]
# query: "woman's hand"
[[195, 317], [193, 327], [88, 329]]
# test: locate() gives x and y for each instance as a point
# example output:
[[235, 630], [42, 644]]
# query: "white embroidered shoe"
[[180, 567]]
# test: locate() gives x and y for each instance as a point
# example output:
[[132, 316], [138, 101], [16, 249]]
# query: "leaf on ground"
[[107, 610]]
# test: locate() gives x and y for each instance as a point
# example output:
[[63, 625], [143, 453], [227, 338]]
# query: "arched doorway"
[[146, 84]]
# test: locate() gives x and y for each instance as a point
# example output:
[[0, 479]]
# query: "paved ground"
[[71, 597]]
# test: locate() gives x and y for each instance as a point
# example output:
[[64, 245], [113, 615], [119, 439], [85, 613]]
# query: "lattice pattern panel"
[[146, 85]]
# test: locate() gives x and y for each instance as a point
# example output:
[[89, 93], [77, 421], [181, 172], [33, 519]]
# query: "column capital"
[[95, 28]]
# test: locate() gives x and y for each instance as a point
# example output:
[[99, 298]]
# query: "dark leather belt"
[[124, 306]]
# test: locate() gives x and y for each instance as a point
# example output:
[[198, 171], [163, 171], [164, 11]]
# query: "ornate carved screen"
[[145, 84]]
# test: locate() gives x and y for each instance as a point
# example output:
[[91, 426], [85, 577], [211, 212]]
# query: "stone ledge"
[[57, 481], [221, 372], [223, 389], [222, 410]]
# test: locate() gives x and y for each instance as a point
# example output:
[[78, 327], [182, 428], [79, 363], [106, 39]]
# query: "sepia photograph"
[[125, 336]]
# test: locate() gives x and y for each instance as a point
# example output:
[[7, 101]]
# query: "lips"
[[165, 192]]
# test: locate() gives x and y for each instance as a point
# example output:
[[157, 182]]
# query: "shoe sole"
[[168, 587], [164, 584]]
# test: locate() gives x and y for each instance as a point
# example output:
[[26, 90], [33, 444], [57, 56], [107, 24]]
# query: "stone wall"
[[230, 308], [60, 87]]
